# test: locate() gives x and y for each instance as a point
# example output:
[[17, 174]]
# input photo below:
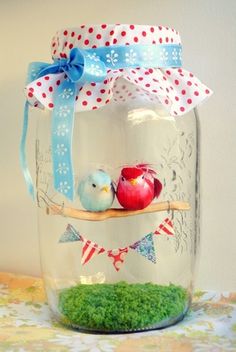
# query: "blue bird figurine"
[[96, 191]]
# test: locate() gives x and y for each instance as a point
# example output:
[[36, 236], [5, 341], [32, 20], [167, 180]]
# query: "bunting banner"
[[145, 246]]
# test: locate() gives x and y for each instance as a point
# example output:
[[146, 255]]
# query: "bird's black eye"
[[143, 177], [122, 178], [93, 184]]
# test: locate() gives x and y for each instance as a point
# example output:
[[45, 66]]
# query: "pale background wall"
[[208, 30]]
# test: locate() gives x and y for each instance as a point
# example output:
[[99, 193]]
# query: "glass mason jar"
[[145, 293], [120, 255]]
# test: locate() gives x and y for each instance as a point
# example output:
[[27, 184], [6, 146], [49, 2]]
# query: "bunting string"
[[144, 246]]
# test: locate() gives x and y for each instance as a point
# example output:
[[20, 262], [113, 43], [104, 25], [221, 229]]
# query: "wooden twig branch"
[[54, 209]]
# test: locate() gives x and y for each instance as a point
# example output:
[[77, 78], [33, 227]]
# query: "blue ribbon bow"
[[85, 66], [78, 67]]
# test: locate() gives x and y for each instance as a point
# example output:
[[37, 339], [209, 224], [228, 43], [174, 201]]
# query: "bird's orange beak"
[[105, 189], [133, 181]]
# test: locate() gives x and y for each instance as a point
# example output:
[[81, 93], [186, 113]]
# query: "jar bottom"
[[164, 324], [122, 307]]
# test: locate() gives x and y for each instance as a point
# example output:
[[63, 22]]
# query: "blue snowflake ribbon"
[[85, 66]]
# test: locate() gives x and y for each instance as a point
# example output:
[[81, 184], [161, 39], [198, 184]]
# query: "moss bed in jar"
[[121, 306]]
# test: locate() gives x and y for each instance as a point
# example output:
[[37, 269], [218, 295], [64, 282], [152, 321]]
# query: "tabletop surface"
[[26, 325]]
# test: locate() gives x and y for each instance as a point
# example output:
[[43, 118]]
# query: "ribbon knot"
[[80, 67]]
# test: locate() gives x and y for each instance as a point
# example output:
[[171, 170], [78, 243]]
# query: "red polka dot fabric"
[[177, 89]]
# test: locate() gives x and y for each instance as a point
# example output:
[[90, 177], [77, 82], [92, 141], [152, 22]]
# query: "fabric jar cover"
[[93, 65], [177, 89]]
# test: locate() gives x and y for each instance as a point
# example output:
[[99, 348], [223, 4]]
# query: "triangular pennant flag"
[[90, 249], [145, 247], [70, 235], [118, 256], [165, 228]]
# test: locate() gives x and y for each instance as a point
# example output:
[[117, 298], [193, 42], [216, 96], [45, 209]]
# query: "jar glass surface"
[[149, 285]]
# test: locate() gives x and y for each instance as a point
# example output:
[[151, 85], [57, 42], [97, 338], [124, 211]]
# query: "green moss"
[[121, 306]]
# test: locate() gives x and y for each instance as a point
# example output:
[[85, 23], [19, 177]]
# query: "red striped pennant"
[[90, 249], [165, 228]]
